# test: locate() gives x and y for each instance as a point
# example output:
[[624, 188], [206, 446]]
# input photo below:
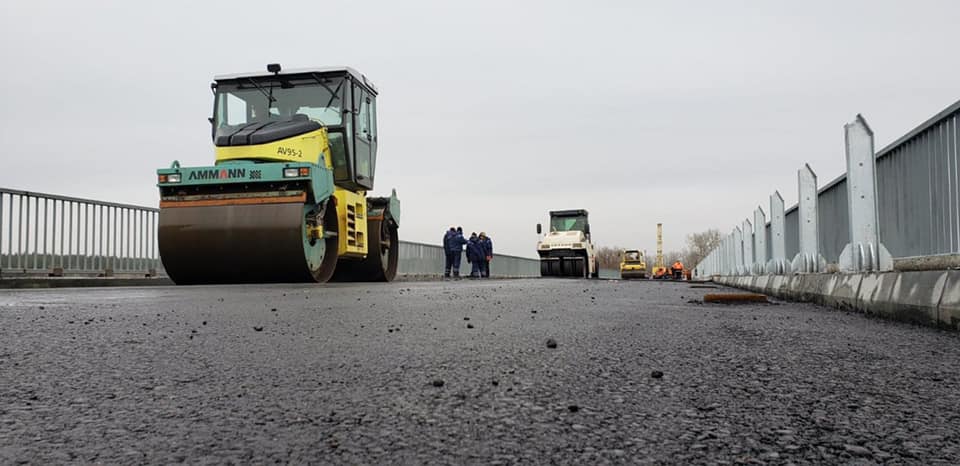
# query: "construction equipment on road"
[[632, 264], [286, 199], [659, 268], [566, 250]]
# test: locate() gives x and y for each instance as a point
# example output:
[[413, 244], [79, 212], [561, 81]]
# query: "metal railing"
[[419, 259], [915, 209], [51, 235]]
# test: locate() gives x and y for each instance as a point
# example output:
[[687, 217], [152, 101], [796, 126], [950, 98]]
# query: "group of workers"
[[479, 253]]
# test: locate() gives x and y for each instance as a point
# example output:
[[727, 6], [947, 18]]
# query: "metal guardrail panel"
[[46, 234], [428, 259], [834, 221], [768, 238], [918, 197], [791, 232], [918, 189], [918, 192]]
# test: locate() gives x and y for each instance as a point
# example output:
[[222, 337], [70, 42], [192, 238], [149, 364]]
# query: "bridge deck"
[[348, 373]]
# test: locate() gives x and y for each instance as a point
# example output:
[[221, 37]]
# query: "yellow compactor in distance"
[[632, 264], [286, 200]]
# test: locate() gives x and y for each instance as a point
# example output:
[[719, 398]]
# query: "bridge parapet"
[[904, 209], [887, 232], [52, 235]]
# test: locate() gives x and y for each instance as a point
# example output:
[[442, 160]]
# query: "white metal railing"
[[51, 235]]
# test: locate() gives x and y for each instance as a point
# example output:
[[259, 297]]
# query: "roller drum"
[[264, 243]]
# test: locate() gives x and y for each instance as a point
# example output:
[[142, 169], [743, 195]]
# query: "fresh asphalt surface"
[[460, 372]]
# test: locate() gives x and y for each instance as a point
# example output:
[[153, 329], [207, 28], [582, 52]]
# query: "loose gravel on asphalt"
[[490, 372]]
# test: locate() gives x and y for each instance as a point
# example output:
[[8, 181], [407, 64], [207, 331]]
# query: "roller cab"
[[286, 198]]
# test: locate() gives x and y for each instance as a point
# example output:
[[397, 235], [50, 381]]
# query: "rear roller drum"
[[380, 265]]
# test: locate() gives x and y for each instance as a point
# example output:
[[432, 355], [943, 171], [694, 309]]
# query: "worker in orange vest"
[[677, 270]]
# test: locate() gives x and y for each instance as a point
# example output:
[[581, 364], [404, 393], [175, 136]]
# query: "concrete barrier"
[[875, 289], [948, 312], [916, 296], [812, 287], [841, 290], [760, 283], [923, 297], [80, 282]]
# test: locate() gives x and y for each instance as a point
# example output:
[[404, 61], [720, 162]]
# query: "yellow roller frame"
[[352, 216]]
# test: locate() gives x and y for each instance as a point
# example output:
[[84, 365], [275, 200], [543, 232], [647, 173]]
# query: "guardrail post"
[[731, 255], [738, 251], [725, 255], [778, 263], [729, 258], [808, 260], [759, 240], [865, 252], [741, 245], [748, 235]]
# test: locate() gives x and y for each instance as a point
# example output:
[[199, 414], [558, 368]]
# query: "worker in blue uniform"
[[487, 244], [453, 242], [475, 255]]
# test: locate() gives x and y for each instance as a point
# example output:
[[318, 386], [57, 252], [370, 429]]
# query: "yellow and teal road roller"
[[286, 199]]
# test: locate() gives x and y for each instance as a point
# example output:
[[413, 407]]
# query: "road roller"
[[632, 264], [567, 250], [286, 198]]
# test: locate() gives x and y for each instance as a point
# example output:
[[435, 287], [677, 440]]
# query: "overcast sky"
[[491, 113]]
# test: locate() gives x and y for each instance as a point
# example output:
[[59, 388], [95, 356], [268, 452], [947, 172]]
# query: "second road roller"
[[632, 264], [566, 250], [286, 199]]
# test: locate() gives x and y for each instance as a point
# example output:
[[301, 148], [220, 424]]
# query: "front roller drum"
[[633, 275], [254, 243]]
